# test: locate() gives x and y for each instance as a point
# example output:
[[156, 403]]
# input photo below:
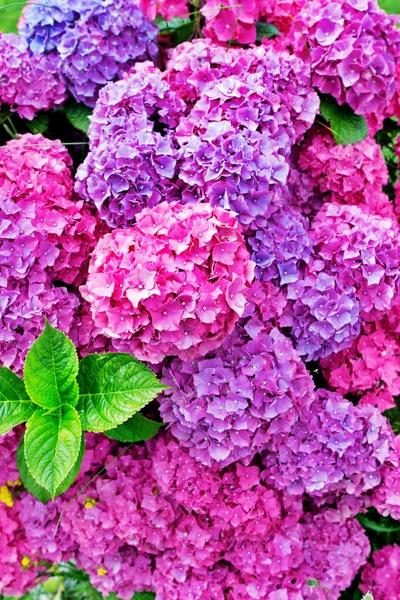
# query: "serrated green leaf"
[[136, 429], [392, 7], [15, 405], [78, 115], [52, 444], [113, 387], [39, 124], [31, 484], [266, 30], [50, 370], [346, 126], [143, 596]]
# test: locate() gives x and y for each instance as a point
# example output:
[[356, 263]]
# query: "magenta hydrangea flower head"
[[333, 447], [29, 82], [131, 165], [97, 41], [323, 314], [386, 497], [381, 576], [174, 284], [232, 21], [353, 46], [226, 406], [370, 367], [352, 174], [334, 550], [42, 222], [363, 251]]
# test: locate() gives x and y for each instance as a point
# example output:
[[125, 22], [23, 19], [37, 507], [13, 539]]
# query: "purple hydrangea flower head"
[[280, 245], [323, 314], [333, 447], [29, 82], [131, 165], [174, 284], [225, 407], [353, 48], [363, 251], [193, 66], [97, 41]]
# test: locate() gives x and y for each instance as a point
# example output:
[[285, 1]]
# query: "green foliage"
[[52, 444], [135, 429], [108, 390], [381, 531], [392, 7], [266, 30], [50, 370], [78, 115], [387, 138], [31, 484], [144, 596], [10, 12], [113, 387], [346, 126], [15, 405], [179, 30], [393, 414], [39, 124]]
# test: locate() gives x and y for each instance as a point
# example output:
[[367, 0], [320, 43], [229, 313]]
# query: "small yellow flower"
[[26, 561], [5, 496], [101, 572], [90, 502], [15, 483]]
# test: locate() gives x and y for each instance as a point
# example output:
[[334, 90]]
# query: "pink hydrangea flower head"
[[29, 82], [231, 21], [322, 312], [353, 48], [370, 367], [174, 284], [167, 9], [131, 165], [363, 251], [333, 447], [381, 576], [226, 406], [352, 174]]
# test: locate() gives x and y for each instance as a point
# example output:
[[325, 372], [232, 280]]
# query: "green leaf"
[[136, 429], [39, 124], [4, 114], [51, 368], [10, 13], [143, 596], [313, 583], [368, 596], [266, 30], [37, 490], [346, 126], [392, 7], [112, 388], [78, 115], [180, 30], [368, 524], [52, 444], [15, 405]]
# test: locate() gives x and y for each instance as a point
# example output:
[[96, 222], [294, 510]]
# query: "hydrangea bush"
[[210, 188]]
